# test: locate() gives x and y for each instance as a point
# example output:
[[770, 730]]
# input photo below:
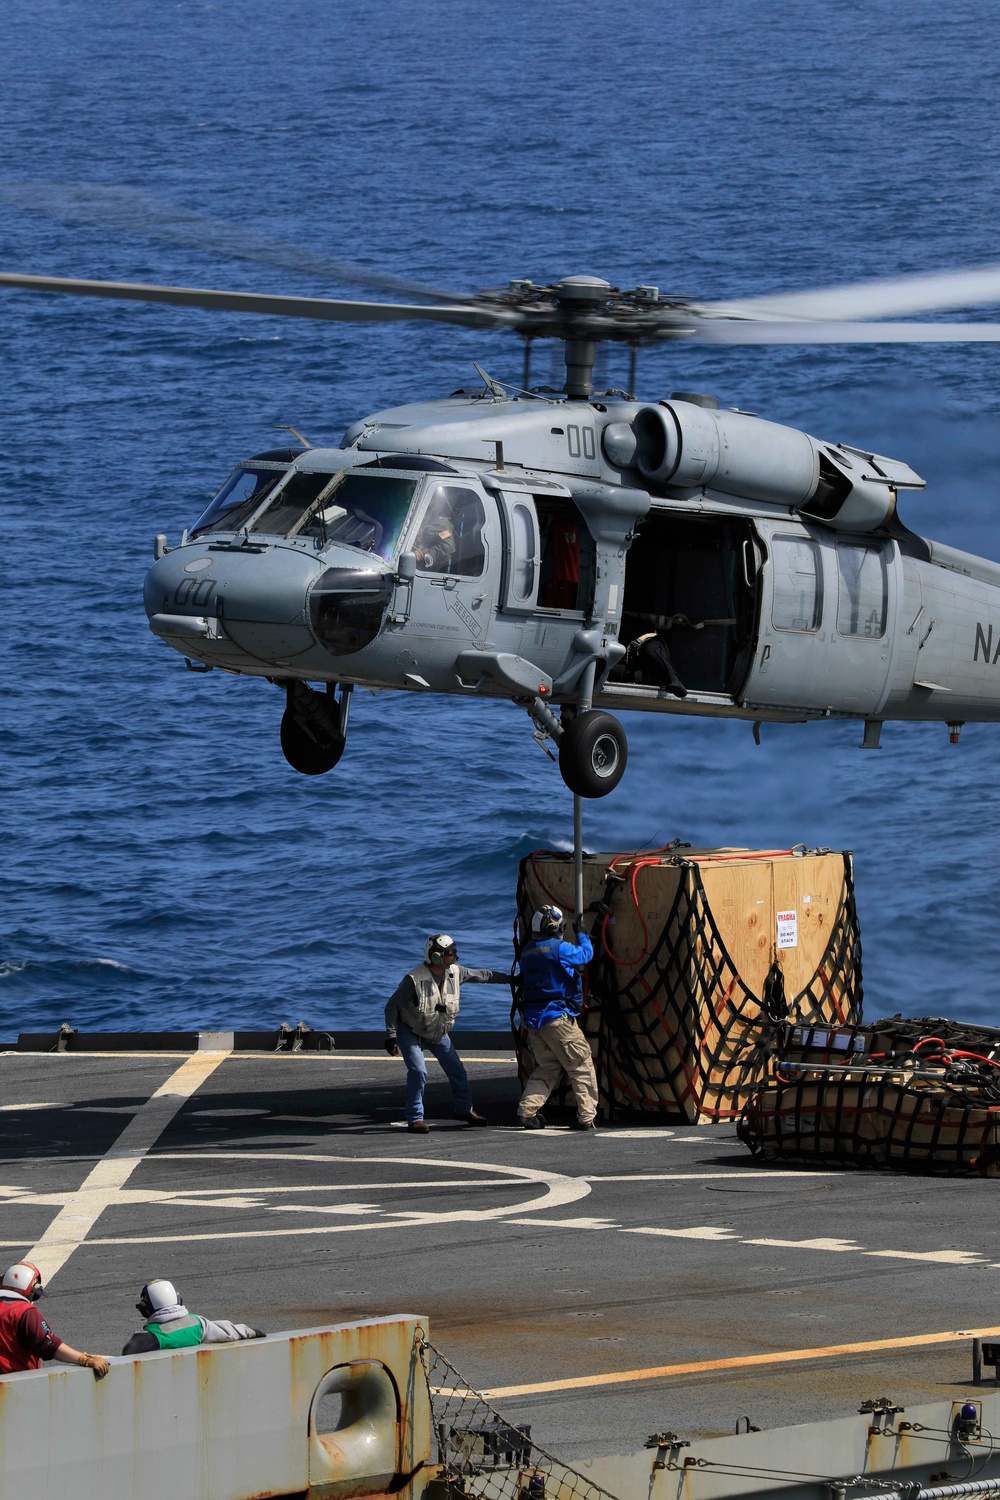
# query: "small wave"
[[106, 963], [12, 966]]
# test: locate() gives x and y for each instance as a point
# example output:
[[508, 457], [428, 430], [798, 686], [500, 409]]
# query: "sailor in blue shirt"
[[552, 999]]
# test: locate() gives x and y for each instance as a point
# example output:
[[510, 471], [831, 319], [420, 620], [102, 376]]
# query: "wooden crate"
[[692, 983]]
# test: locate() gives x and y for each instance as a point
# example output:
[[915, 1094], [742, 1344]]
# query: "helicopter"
[[525, 544]]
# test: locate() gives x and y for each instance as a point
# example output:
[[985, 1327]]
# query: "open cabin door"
[[692, 581]]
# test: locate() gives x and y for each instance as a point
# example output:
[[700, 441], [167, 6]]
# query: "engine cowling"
[[683, 445]]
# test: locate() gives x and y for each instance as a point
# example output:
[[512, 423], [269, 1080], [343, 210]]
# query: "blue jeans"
[[412, 1048]]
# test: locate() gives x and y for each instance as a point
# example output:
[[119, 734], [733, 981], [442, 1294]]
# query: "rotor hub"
[[584, 291], [583, 311]]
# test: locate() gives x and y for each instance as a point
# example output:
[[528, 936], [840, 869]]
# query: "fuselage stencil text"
[[984, 642]]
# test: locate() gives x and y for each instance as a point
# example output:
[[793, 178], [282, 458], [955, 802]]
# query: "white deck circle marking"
[[559, 1189]]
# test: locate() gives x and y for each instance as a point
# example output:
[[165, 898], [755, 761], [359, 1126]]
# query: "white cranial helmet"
[[547, 922], [156, 1295], [24, 1278], [437, 946]]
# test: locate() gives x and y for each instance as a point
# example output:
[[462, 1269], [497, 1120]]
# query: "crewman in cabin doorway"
[[647, 660], [169, 1325], [25, 1337], [420, 1013], [551, 1001]]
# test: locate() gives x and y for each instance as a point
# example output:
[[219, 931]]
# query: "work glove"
[[259, 1333], [97, 1363], [391, 1047]]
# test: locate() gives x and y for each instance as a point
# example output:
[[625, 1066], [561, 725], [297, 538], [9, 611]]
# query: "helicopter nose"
[[179, 594], [231, 602]]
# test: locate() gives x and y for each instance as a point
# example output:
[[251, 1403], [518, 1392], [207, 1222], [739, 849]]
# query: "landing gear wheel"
[[313, 729], [593, 754], [303, 753]]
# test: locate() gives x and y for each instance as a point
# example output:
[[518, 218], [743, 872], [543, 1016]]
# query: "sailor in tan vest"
[[420, 1014]]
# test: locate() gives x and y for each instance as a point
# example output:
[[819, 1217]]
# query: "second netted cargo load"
[[702, 959], [915, 1095]]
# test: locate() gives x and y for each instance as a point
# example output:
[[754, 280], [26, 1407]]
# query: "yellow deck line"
[[740, 1362]]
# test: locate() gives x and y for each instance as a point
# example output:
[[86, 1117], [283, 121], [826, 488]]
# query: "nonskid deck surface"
[[282, 1191]]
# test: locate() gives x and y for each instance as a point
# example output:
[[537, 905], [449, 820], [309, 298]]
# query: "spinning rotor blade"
[[872, 299], [708, 331], [273, 306], [128, 210]]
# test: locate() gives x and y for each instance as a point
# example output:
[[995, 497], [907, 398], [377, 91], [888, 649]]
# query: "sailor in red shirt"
[[25, 1337]]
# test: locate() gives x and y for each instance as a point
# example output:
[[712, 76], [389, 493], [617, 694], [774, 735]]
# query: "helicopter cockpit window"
[[239, 497], [450, 539], [798, 584], [863, 601], [362, 510], [291, 502], [358, 509]]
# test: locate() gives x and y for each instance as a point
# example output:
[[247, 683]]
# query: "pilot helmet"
[[548, 922]]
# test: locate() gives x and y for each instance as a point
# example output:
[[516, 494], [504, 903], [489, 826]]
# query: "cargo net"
[[483, 1455], [914, 1095], [685, 1038]]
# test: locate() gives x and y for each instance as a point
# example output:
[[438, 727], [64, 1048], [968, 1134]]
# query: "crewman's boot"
[[418, 1127], [472, 1118], [531, 1122]]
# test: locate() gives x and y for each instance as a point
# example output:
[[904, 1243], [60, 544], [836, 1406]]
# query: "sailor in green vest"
[[169, 1325]]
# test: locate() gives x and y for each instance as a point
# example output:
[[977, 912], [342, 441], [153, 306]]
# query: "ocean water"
[[162, 866]]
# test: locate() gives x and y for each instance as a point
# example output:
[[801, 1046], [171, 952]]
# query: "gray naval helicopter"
[[581, 553]]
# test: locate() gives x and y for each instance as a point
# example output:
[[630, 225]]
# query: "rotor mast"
[[578, 295]]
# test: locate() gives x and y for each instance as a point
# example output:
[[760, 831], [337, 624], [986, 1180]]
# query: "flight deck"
[[601, 1287]]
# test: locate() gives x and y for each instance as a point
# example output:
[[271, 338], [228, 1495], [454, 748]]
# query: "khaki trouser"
[[560, 1047]]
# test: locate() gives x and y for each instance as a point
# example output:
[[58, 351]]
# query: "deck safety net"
[[483, 1455]]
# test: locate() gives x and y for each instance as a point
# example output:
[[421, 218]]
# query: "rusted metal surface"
[[226, 1422], [850, 1458]]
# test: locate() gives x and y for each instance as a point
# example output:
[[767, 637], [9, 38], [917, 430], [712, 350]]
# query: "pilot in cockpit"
[[435, 546]]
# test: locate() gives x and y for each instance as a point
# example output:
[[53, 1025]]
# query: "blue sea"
[[162, 866]]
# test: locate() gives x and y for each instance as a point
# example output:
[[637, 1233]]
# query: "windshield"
[[362, 510], [239, 497], [292, 502]]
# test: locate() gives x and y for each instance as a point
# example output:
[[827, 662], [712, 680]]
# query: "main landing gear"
[[314, 727], [593, 753], [593, 749]]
